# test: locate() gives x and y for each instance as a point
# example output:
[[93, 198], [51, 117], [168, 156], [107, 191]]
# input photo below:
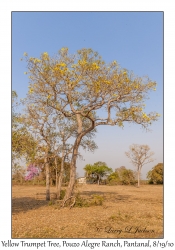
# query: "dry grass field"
[[126, 212]]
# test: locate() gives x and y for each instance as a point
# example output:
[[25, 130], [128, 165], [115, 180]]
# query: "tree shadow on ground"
[[23, 204]]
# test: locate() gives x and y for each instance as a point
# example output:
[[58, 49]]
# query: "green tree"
[[155, 176], [97, 171], [113, 178], [23, 142], [139, 155], [126, 176], [82, 85]]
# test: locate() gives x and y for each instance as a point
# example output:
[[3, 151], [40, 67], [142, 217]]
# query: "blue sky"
[[133, 39]]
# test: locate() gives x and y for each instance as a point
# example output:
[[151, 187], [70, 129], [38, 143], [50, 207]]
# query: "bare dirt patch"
[[126, 212]]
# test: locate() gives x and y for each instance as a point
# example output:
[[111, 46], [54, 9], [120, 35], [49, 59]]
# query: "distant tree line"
[[100, 173]]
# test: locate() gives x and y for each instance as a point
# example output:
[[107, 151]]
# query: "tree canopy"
[[23, 142], [126, 176], [80, 86], [82, 83], [97, 171], [155, 176], [139, 155]]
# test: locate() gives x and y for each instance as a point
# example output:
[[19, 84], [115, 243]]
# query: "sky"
[[133, 39]]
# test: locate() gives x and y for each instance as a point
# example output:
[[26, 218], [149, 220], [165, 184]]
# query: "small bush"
[[120, 216], [113, 217], [95, 200], [80, 201], [62, 194]]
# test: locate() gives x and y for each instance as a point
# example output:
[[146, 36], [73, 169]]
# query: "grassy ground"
[[126, 212]]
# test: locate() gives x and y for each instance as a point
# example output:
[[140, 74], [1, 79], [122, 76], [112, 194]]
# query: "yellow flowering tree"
[[81, 86]]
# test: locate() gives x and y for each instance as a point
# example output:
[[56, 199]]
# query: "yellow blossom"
[[107, 82], [37, 60], [145, 117], [45, 56], [31, 90], [94, 66], [62, 64], [82, 62]]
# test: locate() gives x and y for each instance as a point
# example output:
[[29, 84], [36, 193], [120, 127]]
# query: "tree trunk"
[[47, 180], [98, 179], [70, 187], [60, 176], [62, 168], [51, 181], [56, 174], [81, 133], [138, 178], [21, 179]]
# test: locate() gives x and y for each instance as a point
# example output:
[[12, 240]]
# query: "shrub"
[[97, 200], [62, 194], [122, 176], [155, 176], [80, 201], [94, 200], [113, 179]]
